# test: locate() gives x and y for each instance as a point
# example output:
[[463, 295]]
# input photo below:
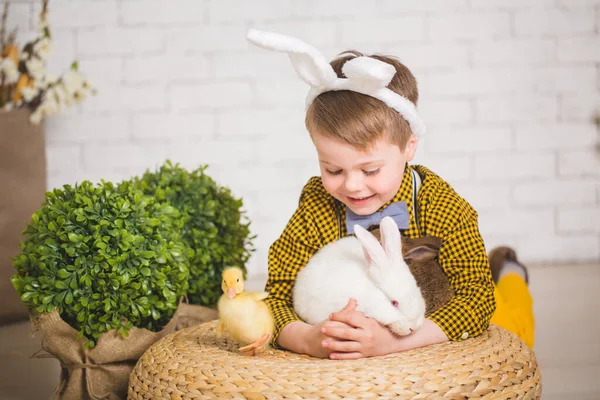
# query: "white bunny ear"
[[371, 247], [390, 239], [308, 62], [370, 71]]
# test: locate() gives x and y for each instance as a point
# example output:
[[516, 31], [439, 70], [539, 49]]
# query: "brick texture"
[[508, 90]]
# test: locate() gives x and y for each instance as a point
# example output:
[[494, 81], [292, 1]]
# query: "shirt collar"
[[405, 194]]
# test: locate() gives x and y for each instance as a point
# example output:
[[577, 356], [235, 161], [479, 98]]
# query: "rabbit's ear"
[[390, 238], [371, 247], [422, 249], [420, 253]]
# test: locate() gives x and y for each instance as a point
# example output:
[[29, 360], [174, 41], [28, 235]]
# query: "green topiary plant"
[[215, 226], [107, 257]]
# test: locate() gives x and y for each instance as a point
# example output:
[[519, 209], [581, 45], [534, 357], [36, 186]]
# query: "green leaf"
[[80, 319], [63, 273], [26, 296], [73, 283], [60, 298], [147, 254], [167, 293], [60, 285]]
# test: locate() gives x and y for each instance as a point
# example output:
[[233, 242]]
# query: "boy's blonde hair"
[[357, 119]]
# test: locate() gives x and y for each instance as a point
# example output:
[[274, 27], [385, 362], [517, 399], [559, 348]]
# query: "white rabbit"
[[360, 267]]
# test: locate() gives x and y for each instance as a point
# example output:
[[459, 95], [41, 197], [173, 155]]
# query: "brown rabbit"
[[421, 256]]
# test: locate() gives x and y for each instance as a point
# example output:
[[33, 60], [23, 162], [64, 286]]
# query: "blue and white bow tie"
[[398, 211]]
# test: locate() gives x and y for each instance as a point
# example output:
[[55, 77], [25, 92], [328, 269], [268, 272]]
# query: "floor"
[[567, 304]]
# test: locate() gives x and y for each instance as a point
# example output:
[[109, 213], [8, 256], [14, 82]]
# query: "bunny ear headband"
[[364, 75]]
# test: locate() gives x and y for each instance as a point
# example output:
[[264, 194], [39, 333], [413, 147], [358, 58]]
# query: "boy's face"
[[364, 181]]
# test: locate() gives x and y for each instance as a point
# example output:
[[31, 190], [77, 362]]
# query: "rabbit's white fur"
[[361, 268]]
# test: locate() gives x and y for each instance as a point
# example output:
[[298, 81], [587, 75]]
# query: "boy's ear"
[[411, 147]]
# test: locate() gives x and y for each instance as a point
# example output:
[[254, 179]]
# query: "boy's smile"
[[363, 180]]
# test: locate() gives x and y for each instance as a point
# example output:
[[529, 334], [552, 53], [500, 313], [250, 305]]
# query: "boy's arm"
[[287, 256], [464, 259], [280, 284], [312, 226]]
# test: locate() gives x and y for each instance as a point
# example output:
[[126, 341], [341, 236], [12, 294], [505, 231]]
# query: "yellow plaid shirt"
[[442, 213]]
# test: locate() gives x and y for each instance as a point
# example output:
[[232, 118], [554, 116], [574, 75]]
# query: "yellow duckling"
[[244, 315]]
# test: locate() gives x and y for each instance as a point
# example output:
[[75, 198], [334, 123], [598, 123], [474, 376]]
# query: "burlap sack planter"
[[22, 190], [103, 371]]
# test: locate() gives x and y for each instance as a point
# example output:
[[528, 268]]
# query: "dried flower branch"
[[25, 83], [3, 24]]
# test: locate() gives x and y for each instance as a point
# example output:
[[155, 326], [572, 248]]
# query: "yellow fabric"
[[514, 308], [442, 213]]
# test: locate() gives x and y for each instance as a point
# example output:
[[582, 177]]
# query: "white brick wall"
[[508, 90], [469, 26], [158, 68], [144, 12], [81, 14], [553, 22], [209, 95], [514, 166]]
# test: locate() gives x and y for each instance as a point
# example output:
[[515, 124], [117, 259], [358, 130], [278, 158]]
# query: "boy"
[[362, 119]]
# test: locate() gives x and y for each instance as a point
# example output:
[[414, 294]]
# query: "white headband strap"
[[364, 75]]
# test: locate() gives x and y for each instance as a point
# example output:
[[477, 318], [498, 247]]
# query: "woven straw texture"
[[194, 364]]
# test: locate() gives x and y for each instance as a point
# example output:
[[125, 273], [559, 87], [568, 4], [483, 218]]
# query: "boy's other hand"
[[317, 337], [359, 336]]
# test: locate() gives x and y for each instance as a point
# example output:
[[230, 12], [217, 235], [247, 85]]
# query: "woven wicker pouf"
[[193, 364]]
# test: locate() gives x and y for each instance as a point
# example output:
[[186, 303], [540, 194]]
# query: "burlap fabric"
[[22, 190], [103, 371]]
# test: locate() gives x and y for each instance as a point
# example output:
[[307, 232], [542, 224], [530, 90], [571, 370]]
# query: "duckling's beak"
[[231, 293]]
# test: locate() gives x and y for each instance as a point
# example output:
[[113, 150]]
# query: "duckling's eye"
[[238, 279]]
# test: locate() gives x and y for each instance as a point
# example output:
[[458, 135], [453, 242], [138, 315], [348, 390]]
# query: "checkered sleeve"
[[464, 260], [301, 238]]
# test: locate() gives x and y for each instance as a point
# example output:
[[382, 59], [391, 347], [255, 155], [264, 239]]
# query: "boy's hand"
[[317, 337], [358, 337]]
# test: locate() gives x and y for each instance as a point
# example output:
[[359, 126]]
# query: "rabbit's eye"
[[394, 303]]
